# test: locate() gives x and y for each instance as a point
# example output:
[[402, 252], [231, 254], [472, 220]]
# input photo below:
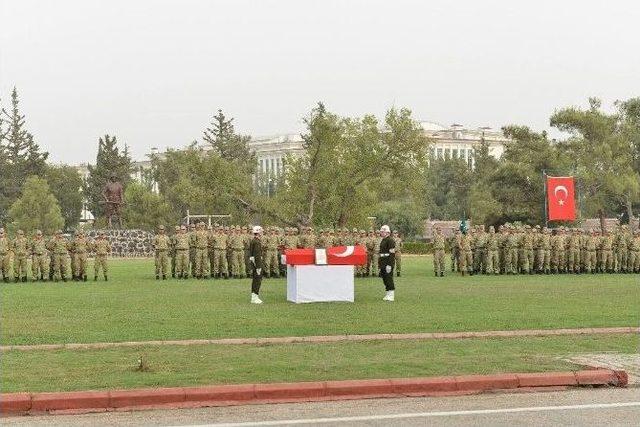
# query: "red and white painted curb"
[[243, 394]]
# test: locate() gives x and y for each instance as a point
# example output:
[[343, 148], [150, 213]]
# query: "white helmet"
[[257, 229], [385, 229]]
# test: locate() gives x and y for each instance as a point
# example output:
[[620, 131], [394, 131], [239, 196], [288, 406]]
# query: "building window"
[[273, 169], [439, 153], [447, 153], [455, 153], [261, 165]]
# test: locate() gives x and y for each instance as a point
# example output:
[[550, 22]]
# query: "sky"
[[153, 73]]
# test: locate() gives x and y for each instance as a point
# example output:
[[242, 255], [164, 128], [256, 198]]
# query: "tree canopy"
[[36, 208]]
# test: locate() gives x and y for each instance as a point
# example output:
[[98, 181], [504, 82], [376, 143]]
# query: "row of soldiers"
[[529, 250], [218, 251], [55, 258]]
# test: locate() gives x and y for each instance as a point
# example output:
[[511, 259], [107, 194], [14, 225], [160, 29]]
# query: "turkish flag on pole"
[[560, 198]]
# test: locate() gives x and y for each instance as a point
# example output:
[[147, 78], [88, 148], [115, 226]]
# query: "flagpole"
[[544, 179]]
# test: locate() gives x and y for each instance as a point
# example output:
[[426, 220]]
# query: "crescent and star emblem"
[[561, 189], [348, 252]]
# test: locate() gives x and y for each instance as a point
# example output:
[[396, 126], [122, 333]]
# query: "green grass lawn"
[[210, 364], [133, 306]]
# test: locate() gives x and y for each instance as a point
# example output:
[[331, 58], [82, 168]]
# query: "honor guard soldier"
[[5, 247], [20, 253], [101, 247], [255, 258], [161, 246], [39, 258], [387, 262]]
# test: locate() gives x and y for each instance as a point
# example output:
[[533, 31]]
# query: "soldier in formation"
[[223, 252], [535, 250], [56, 258]]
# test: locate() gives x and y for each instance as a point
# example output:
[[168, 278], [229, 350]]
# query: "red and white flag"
[[561, 198]]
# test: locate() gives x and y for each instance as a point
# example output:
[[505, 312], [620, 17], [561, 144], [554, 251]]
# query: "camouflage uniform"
[[220, 265], [590, 259], [182, 253], [511, 247], [270, 243], [527, 246], [39, 258], [201, 256], [573, 261], [5, 249], [544, 252], [192, 249], [101, 247], [634, 253], [161, 245], [438, 253], [172, 251], [479, 250], [607, 263], [492, 263], [557, 252], [466, 255], [80, 247], [399, 243], [236, 245], [20, 255], [59, 248]]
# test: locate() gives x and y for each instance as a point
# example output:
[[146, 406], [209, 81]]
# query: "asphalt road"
[[581, 407]]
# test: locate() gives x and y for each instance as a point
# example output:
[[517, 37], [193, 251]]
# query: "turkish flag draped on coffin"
[[561, 198]]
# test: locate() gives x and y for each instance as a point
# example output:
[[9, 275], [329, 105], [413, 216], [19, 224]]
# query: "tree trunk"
[[312, 203], [629, 207], [603, 227]]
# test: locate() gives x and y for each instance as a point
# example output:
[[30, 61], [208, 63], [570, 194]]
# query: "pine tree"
[[109, 161], [20, 155], [229, 145]]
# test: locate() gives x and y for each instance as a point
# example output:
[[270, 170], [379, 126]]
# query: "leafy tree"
[[400, 216], [110, 160], [229, 145], [336, 180], [66, 185], [145, 209], [205, 183], [36, 208], [448, 182], [604, 156], [20, 155], [518, 183]]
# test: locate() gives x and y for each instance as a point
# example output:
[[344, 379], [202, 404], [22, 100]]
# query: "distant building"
[[456, 141]]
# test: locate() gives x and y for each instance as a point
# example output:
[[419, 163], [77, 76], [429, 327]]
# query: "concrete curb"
[[243, 394], [330, 338]]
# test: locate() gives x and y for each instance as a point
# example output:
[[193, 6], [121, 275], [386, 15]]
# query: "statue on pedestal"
[[113, 195]]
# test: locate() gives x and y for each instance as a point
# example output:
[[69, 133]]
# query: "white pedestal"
[[319, 283]]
